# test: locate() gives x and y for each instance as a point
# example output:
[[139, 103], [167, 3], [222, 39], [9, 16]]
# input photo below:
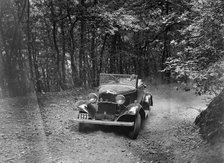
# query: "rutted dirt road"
[[168, 134]]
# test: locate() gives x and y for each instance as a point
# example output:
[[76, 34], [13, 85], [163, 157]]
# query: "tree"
[[12, 15], [200, 50], [74, 42]]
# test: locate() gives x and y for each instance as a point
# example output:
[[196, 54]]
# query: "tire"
[[134, 131]]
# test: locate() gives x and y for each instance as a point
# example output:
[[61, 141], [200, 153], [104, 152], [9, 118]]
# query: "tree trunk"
[[37, 74], [82, 57], [81, 52], [94, 59], [75, 72], [166, 51], [63, 57], [120, 58], [101, 53], [47, 77], [29, 44], [54, 33], [113, 53], [12, 69]]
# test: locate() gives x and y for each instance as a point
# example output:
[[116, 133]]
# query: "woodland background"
[[54, 45]]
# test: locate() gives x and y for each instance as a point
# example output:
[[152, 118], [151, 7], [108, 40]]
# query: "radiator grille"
[[108, 97], [106, 108]]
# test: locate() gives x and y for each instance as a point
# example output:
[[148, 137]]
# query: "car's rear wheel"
[[134, 131]]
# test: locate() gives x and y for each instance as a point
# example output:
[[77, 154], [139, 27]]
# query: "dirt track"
[[167, 135]]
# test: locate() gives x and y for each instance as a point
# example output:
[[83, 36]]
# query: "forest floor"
[[44, 131]]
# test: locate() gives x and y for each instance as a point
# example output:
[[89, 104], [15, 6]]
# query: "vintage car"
[[121, 101]]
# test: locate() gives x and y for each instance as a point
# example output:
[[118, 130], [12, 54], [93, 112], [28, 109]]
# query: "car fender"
[[130, 112], [89, 108], [82, 108], [148, 99]]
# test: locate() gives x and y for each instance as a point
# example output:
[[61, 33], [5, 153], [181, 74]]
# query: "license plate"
[[83, 116]]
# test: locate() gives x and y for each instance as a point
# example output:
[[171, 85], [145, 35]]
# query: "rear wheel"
[[134, 131]]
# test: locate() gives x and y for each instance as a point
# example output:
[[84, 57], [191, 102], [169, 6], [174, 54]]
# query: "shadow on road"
[[22, 134]]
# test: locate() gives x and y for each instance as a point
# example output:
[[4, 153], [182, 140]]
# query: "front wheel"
[[133, 133]]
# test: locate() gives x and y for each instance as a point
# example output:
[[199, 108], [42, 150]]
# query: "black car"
[[121, 101]]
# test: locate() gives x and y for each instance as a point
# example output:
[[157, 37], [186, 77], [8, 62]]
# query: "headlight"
[[92, 97], [120, 99]]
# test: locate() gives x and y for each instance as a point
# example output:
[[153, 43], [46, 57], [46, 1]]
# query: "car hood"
[[116, 89]]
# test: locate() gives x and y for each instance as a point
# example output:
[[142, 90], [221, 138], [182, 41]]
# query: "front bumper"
[[108, 123]]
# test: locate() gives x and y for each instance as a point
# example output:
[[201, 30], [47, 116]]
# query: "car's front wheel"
[[134, 131]]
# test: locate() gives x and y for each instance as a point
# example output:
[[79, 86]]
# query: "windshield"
[[124, 79]]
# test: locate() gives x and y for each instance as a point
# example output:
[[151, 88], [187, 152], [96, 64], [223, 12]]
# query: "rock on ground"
[[211, 120]]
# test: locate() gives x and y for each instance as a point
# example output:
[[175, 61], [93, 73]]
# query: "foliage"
[[200, 48], [66, 44], [14, 74]]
